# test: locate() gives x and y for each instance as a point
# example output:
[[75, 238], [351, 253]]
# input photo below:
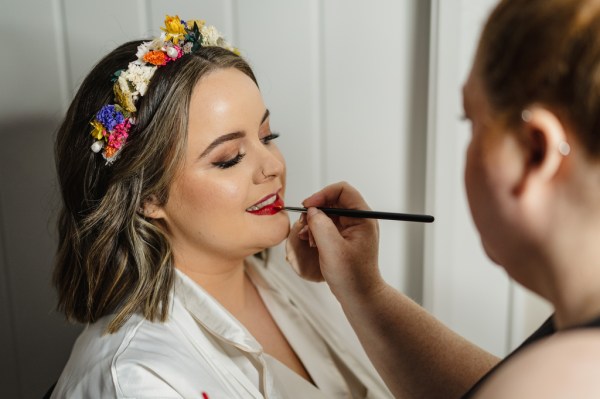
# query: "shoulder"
[[562, 366], [141, 359], [165, 359]]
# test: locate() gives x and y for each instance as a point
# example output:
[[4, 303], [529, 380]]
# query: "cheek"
[[473, 168], [210, 197], [477, 184]]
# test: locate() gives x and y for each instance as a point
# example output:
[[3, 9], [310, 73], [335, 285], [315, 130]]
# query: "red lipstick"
[[270, 209]]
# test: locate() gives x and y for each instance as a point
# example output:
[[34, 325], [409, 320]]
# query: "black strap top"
[[543, 331]]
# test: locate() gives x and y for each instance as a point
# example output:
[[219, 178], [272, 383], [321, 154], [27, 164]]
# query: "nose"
[[271, 164]]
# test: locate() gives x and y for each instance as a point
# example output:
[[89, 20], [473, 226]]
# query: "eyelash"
[[238, 158], [232, 162], [265, 140]]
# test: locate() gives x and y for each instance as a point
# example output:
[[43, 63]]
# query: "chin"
[[280, 233], [277, 232], [490, 254]]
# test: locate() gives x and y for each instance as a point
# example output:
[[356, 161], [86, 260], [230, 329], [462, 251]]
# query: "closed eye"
[[265, 140], [230, 162]]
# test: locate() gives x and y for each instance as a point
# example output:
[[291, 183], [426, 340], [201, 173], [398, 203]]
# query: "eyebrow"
[[229, 136], [265, 116]]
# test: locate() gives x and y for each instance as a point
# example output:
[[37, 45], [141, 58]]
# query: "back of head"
[[111, 259], [545, 52]]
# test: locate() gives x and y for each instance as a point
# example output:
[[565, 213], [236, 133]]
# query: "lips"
[[269, 205]]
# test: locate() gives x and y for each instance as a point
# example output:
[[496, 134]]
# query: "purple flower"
[[109, 117]]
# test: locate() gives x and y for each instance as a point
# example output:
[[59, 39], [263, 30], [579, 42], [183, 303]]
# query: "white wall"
[[355, 96]]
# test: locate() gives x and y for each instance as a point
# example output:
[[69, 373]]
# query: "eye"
[[267, 139], [230, 162]]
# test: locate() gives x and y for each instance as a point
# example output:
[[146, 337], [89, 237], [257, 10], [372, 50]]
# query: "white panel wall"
[[462, 288], [374, 121], [34, 341], [363, 93]]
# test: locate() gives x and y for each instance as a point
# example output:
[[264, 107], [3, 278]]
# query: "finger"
[[340, 194], [299, 229], [311, 239], [322, 229], [303, 234], [303, 259]]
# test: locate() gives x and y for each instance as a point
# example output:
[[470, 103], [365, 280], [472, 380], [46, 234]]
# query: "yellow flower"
[[98, 129], [123, 94], [174, 29]]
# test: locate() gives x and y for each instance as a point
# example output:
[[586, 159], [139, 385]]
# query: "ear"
[[545, 141], [152, 209]]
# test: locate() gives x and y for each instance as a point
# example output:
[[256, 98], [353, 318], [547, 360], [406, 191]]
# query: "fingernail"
[[303, 230], [311, 212], [311, 240], [302, 219]]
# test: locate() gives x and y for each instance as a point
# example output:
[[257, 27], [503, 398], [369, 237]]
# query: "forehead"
[[224, 97], [224, 92], [472, 91]]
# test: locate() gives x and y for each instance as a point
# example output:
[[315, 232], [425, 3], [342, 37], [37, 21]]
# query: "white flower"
[[210, 35], [139, 76], [224, 44]]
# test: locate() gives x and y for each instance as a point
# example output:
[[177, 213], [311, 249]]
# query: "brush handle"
[[355, 213]]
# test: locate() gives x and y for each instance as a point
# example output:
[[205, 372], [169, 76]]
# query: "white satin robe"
[[202, 351]]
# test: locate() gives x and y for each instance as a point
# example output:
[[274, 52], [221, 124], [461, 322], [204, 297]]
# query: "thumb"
[[323, 230]]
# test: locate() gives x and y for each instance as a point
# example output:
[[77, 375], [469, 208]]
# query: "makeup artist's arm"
[[416, 355]]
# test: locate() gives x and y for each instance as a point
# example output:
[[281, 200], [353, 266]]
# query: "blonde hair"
[[110, 258]]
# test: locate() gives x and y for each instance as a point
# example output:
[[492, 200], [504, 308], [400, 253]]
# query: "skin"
[[541, 227], [205, 217], [535, 209], [415, 354], [537, 214]]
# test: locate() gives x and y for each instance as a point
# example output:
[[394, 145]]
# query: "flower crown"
[[111, 125]]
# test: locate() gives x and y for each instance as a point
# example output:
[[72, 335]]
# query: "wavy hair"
[[111, 260]]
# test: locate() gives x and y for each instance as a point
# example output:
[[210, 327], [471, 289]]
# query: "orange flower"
[[109, 152], [156, 57]]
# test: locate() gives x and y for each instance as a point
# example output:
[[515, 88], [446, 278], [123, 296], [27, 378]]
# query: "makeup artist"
[[532, 178]]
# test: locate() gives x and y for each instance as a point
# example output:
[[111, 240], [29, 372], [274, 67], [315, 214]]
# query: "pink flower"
[[119, 134]]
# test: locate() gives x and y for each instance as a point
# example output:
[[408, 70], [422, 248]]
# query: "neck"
[[570, 276], [575, 290], [560, 258], [225, 280]]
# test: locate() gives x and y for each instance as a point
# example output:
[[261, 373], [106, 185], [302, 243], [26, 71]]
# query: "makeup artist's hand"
[[341, 250]]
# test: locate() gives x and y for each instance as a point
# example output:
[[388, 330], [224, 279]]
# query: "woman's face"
[[492, 166], [225, 200]]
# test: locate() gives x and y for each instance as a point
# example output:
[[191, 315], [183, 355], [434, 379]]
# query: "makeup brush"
[[355, 213]]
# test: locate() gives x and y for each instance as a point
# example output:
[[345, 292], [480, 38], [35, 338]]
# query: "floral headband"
[[112, 123]]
